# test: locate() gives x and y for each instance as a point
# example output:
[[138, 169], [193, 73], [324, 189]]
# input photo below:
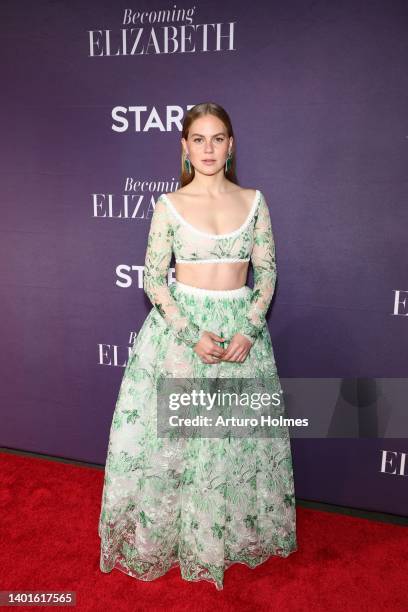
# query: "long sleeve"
[[156, 266], [264, 266]]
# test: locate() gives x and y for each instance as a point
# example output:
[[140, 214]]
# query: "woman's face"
[[207, 140]]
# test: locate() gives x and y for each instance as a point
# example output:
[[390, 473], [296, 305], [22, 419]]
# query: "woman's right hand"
[[207, 348]]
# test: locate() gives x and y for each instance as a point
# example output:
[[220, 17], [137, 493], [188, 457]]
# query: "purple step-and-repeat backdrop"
[[93, 96]]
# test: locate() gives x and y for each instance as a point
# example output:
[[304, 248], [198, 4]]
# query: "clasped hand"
[[210, 352]]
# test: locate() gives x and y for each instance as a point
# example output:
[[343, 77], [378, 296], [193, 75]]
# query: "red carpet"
[[49, 541]]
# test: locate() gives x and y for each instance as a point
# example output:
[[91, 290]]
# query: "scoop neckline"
[[207, 234]]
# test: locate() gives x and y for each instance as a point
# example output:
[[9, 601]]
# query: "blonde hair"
[[200, 110]]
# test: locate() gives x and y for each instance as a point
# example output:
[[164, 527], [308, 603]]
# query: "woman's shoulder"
[[253, 195], [250, 193]]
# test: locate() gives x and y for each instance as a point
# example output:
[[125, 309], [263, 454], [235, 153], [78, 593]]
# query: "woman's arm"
[[264, 266], [157, 260]]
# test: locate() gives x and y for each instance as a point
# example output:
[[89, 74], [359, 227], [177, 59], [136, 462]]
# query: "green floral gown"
[[200, 504]]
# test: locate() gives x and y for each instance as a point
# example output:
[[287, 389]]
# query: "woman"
[[199, 503]]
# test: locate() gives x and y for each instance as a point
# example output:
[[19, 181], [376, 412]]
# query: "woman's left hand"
[[237, 349]]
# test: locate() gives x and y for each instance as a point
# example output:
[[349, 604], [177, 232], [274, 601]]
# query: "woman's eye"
[[218, 139]]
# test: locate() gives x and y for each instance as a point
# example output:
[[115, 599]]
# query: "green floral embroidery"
[[255, 241], [264, 266], [200, 503], [218, 530], [157, 260]]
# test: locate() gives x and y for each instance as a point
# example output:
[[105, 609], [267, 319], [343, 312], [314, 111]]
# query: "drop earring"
[[187, 164], [228, 161]]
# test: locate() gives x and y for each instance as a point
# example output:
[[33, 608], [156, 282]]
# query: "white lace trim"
[[241, 291], [213, 236], [214, 260]]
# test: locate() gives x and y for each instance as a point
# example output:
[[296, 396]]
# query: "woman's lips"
[[209, 161]]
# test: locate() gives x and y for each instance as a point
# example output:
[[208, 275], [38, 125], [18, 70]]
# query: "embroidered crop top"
[[253, 240], [196, 246]]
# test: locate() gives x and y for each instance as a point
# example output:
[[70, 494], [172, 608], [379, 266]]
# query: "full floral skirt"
[[201, 504]]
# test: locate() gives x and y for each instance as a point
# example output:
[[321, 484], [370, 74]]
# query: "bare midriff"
[[224, 275]]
